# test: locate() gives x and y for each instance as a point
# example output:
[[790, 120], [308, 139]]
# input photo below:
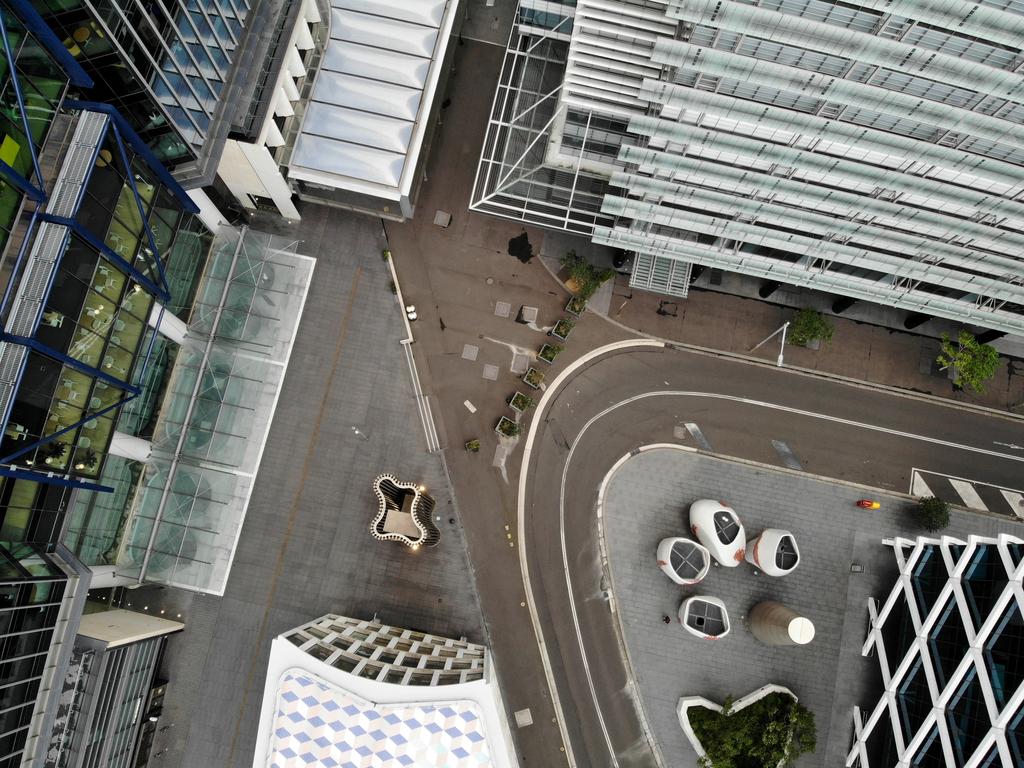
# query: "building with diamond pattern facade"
[[949, 642], [360, 693], [867, 149]]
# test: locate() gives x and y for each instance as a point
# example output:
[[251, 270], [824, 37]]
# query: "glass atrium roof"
[[215, 419]]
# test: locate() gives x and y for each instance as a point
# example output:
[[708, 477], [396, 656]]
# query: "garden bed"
[[576, 306], [549, 352], [563, 328], [746, 733], [520, 402], [507, 428], [533, 378]]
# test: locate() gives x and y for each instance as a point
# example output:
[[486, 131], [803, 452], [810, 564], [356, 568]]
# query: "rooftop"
[[364, 125], [315, 713]]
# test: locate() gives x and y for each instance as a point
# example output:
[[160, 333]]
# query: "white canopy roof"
[[364, 125]]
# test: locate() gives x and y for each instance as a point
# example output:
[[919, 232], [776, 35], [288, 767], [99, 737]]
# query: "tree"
[[809, 326], [584, 275], [932, 513], [974, 362]]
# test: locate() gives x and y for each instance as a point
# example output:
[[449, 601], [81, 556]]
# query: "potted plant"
[[533, 378], [473, 446], [520, 402], [969, 362], [88, 461], [549, 352], [932, 513], [563, 328], [576, 306], [584, 278], [507, 428], [809, 329], [768, 728], [53, 451]]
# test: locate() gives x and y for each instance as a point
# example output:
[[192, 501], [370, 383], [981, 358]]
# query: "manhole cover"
[[491, 372], [502, 308], [469, 351]]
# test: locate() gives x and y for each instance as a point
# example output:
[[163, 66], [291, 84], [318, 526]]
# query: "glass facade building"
[[165, 66], [873, 153], [949, 641]]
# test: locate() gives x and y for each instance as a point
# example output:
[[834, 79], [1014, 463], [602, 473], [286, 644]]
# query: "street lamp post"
[[782, 346]]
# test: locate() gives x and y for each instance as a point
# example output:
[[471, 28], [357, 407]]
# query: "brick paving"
[[648, 500]]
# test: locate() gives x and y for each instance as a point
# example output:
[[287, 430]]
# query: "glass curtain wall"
[[164, 65], [31, 589]]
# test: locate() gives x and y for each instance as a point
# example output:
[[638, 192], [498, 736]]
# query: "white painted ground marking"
[[469, 406], [694, 430], [787, 456], [1015, 500], [918, 487], [970, 496]]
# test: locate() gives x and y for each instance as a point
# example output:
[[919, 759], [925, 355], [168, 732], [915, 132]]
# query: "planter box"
[[506, 427], [686, 703], [519, 402], [576, 306], [562, 329], [548, 353], [533, 378]]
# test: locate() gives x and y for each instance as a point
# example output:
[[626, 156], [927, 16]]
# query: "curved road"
[[624, 399]]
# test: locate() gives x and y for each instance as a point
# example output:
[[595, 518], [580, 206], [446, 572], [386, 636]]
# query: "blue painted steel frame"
[[78, 365], [51, 478], [34, 191], [34, 23], [127, 132], [90, 238]]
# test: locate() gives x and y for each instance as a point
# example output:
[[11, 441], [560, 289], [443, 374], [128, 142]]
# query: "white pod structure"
[[775, 552], [718, 528], [705, 617], [683, 560]]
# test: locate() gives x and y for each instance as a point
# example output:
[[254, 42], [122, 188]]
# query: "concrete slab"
[[470, 351], [490, 372]]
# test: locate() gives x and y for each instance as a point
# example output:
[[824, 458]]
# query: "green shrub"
[[773, 731], [809, 326]]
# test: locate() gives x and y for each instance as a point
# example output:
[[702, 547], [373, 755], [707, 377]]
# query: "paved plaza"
[[648, 499], [346, 414]]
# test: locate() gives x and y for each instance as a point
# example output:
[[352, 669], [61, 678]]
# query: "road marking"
[[918, 487], [966, 492], [1011, 446], [1015, 500], [469, 406], [694, 430], [787, 456]]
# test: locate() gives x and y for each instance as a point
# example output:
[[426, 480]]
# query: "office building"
[[949, 644], [871, 152], [343, 691], [110, 698]]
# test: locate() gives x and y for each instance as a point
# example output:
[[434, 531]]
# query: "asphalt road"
[[622, 401]]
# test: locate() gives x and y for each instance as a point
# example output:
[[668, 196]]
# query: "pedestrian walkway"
[[968, 493]]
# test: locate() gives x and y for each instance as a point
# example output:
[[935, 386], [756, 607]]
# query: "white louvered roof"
[[363, 127]]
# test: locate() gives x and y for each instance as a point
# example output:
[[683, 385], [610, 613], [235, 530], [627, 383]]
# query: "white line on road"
[[1015, 500], [918, 487], [694, 430], [966, 492], [787, 456]]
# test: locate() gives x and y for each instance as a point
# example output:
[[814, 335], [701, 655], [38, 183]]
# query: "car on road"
[[718, 528]]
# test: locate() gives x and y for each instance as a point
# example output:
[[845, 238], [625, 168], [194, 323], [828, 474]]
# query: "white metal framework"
[[873, 150], [949, 640]]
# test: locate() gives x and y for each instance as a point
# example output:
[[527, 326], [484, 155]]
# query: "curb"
[[799, 370]]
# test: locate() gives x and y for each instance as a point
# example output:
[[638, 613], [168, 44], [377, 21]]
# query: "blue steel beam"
[[34, 23], [139, 146], [51, 478], [109, 253], [143, 213], [78, 365], [36, 192]]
